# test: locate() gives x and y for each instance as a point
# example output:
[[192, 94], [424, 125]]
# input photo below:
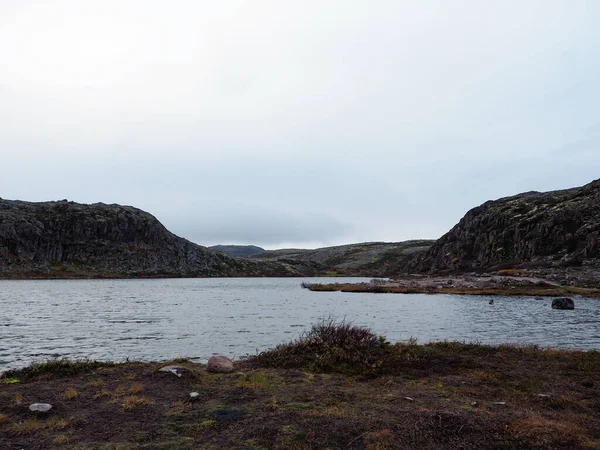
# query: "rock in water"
[[40, 407], [219, 364], [563, 303]]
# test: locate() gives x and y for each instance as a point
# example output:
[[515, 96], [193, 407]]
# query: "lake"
[[166, 318]]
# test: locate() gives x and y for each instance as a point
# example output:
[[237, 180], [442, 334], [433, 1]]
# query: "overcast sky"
[[298, 123]]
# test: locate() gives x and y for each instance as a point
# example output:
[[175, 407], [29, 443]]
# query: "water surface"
[[163, 319]]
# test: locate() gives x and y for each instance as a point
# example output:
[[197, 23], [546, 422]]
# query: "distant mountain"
[[369, 259], [67, 239], [558, 228], [238, 251]]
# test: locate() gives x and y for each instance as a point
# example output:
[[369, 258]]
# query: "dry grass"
[[136, 388], [61, 439], [120, 391], [272, 405], [512, 272], [34, 425], [543, 430], [483, 376], [98, 383], [379, 440], [18, 399], [132, 401], [104, 393], [180, 406], [333, 411], [70, 394]]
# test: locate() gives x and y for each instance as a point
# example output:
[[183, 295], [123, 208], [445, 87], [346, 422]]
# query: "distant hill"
[[558, 228], [67, 239], [238, 251], [369, 259]]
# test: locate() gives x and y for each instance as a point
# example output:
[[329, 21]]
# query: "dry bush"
[[133, 401], [70, 394]]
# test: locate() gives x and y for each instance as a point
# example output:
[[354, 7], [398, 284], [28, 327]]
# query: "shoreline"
[[482, 285]]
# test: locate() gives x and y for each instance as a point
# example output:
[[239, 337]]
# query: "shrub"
[[331, 346]]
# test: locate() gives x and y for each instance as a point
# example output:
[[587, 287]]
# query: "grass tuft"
[[136, 388], [70, 394], [34, 425], [18, 399], [132, 401], [61, 439], [55, 368]]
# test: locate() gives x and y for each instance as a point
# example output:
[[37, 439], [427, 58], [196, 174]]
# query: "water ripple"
[[163, 319]]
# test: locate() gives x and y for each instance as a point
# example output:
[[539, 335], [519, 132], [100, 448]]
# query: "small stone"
[[219, 364], [194, 396], [40, 407], [543, 396], [499, 403], [474, 404], [409, 399], [172, 369]]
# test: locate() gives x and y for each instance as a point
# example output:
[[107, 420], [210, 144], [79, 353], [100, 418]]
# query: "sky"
[[298, 124]]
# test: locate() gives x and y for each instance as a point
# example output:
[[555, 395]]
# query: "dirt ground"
[[446, 396]]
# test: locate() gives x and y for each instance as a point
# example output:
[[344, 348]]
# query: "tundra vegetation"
[[336, 386]]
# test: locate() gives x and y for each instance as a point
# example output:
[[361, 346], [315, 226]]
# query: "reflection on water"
[[163, 319]]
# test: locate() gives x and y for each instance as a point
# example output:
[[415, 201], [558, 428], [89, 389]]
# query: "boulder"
[[563, 303], [219, 364]]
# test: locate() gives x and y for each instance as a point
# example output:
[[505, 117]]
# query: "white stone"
[[40, 407], [172, 369]]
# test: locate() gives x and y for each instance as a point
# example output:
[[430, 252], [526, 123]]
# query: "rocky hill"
[[370, 259], [559, 228], [238, 251], [67, 239]]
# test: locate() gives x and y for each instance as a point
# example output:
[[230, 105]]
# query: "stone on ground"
[[219, 364], [40, 407]]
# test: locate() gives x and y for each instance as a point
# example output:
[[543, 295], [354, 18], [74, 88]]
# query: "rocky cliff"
[[559, 228], [67, 239]]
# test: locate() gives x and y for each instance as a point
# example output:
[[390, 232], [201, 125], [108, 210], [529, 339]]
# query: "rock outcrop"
[[67, 239], [559, 228]]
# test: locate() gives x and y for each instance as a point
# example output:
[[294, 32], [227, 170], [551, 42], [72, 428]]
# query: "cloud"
[[332, 121]]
